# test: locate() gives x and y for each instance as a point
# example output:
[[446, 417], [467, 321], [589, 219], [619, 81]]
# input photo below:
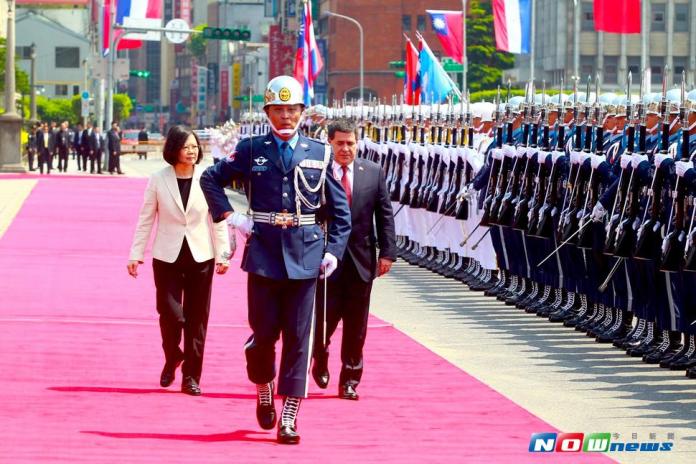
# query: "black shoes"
[[287, 435], [320, 374], [169, 372], [287, 428], [190, 387], [265, 408], [347, 392]]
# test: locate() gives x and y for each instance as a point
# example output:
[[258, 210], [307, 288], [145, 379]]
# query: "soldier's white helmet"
[[283, 90]]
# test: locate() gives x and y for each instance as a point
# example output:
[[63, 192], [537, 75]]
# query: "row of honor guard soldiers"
[[578, 208]]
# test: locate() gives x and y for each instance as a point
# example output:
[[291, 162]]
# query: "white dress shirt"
[[338, 173]]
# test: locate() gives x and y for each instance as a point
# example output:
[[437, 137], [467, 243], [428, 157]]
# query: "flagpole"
[[532, 43], [464, 62], [454, 86], [362, 62]]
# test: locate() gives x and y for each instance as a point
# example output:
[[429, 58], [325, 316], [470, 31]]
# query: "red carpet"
[[80, 363]]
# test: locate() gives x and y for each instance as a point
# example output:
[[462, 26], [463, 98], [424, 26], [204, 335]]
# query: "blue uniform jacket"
[[271, 251]]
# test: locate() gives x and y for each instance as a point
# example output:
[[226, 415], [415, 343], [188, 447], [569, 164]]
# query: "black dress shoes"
[[265, 407], [190, 387], [169, 373], [347, 392], [320, 376], [287, 435]]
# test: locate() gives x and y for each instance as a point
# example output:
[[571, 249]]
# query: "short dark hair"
[[176, 139], [341, 125]]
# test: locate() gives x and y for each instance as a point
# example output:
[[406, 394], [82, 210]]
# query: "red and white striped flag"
[[308, 61]]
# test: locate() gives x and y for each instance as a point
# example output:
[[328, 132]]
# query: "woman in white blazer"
[[187, 246]]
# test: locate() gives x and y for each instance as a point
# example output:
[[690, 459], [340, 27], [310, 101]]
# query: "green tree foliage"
[[197, 43], [21, 78], [485, 62], [122, 107]]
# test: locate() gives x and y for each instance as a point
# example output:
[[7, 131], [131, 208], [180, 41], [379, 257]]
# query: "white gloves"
[[328, 265], [497, 154], [509, 151], [659, 158], [598, 212], [683, 166], [626, 161], [596, 160], [637, 159], [241, 222]]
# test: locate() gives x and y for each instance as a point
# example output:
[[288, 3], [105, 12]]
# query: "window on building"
[[76, 90], [656, 65], [67, 57], [679, 63], [23, 52], [406, 22], [634, 67], [354, 94], [658, 17], [61, 90], [421, 25], [681, 17], [587, 64], [587, 16], [611, 70]]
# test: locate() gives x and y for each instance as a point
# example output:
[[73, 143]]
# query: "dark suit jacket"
[[114, 139], [41, 136], [96, 143], [372, 219]]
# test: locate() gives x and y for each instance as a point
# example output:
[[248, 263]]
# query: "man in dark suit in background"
[[43, 142], [96, 146], [348, 290], [77, 147], [63, 146], [86, 145], [114, 141]]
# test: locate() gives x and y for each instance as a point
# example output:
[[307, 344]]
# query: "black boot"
[[265, 409], [619, 329], [633, 335], [581, 313], [646, 344], [670, 345], [287, 426], [687, 359]]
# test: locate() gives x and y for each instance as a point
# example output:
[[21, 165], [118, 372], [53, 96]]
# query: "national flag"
[[617, 16], [448, 25], [119, 10], [512, 20], [308, 61], [412, 75], [434, 81]]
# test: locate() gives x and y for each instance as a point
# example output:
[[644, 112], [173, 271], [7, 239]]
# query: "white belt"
[[285, 219]]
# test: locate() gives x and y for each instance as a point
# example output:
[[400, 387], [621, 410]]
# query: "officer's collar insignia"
[[360, 168], [304, 145], [267, 142], [260, 161]]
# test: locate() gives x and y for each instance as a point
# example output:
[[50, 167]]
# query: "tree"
[[21, 78], [485, 62], [197, 43], [122, 106]]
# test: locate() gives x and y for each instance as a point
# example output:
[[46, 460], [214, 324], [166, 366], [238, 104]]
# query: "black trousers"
[[190, 281], [30, 158], [45, 159], [63, 160], [348, 299], [114, 162], [95, 158], [280, 307]]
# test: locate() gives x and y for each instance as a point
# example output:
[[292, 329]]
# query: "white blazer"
[[206, 239]]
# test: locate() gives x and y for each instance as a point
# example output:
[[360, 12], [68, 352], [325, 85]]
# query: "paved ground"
[[556, 373]]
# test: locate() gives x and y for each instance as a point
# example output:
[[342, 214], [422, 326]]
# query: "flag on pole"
[[448, 25], [412, 75], [617, 16], [435, 84], [128, 10], [308, 61], [512, 20]]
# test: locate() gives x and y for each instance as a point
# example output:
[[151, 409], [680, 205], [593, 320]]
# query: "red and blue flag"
[[308, 61], [449, 25]]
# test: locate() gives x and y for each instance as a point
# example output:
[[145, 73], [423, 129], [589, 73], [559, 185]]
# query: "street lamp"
[[32, 90], [362, 68]]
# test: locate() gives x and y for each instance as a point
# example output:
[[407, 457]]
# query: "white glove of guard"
[[625, 161], [497, 154], [509, 151], [243, 223], [596, 160], [637, 159], [584, 157], [683, 166], [598, 212], [328, 265]]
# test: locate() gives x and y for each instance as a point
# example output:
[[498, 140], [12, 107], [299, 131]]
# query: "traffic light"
[[397, 64], [140, 73], [219, 33]]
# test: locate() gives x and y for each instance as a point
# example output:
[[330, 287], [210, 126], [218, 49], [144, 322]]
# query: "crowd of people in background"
[[51, 146]]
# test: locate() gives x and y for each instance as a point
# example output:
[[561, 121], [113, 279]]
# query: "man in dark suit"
[[63, 146], [86, 145], [96, 146], [114, 141], [43, 142], [77, 147], [143, 139], [348, 290]]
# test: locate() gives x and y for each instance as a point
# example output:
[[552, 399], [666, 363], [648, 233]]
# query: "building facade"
[[668, 39]]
